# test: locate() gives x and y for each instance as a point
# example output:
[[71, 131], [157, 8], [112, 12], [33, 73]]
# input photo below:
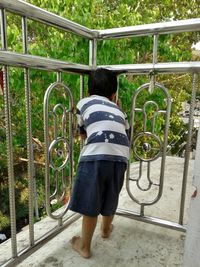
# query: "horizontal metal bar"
[[40, 242], [172, 67], [151, 29], [151, 220], [25, 9], [36, 62]]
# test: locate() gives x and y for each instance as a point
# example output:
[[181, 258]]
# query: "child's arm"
[[80, 126], [127, 126], [83, 136]]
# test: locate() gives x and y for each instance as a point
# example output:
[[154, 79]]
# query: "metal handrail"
[[25, 9], [165, 67], [151, 29], [36, 62], [30, 11]]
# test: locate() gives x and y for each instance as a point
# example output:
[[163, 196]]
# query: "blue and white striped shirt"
[[105, 126]]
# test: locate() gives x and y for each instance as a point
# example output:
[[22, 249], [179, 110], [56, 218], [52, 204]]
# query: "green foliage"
[[4, 221]]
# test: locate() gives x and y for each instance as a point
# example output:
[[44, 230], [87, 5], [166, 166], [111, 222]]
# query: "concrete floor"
[[131, 243]]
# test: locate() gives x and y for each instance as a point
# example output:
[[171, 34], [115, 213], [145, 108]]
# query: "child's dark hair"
[[102, 82]]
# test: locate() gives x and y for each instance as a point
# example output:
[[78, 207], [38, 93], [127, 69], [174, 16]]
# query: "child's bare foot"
[[106, 234], [77, 245]]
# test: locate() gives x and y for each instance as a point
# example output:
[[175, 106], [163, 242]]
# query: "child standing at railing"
[[103, 159]]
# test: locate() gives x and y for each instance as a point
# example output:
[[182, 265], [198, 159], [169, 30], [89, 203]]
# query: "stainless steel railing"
[[35, 13], [26, 61]]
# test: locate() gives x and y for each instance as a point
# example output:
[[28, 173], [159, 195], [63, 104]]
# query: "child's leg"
[[106, 226], [82, 244]]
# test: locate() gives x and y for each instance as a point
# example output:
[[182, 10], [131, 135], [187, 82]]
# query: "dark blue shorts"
[[97, 186]]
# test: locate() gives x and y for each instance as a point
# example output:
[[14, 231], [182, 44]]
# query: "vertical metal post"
[[152, 74], [188, 147], [93, 63], [141, 210], [81, 86], [59, 78], [155, 49], [35, 197], [9, 142], [81, 96], [93, 53], [28, 134]]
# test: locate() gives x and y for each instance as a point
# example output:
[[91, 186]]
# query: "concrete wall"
[[192, 242]]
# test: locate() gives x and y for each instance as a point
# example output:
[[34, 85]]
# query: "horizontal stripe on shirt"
[[108, 137], [102, 115], [106, 149], [105, 125], [92, 102], [104, 108], [104, 157]]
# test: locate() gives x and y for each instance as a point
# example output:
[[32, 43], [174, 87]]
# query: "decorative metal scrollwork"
[[58, 145], [146, 145], [59, 149]]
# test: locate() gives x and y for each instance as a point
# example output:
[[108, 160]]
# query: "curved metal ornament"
[[58, 152], [147, 146]]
